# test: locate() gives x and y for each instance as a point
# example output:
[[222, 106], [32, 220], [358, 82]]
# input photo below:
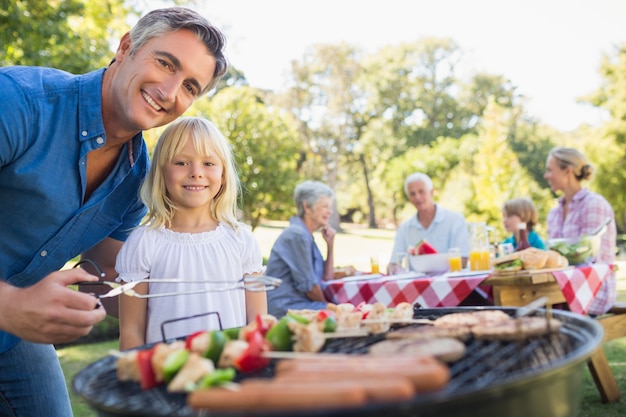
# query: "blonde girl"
[[191, 232]]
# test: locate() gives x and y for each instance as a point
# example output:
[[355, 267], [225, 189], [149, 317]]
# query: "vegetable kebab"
[[211, 358]]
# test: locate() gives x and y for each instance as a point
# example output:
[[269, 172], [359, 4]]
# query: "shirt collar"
[[90, 105], [581, 194]]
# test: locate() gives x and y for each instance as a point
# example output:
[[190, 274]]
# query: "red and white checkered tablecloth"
[[427, 291], [581, 284]]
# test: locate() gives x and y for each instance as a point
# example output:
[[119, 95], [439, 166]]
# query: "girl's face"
[[193, 180], [557, 177], [510, 221], [319, 214]]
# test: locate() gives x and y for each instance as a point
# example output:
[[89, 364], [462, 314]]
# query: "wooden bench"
[[614, 324]]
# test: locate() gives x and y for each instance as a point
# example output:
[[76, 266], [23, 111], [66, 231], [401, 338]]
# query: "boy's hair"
[[524, 208], [207, 140], [161, 21]]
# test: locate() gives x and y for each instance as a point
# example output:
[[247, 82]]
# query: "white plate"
[[363, 277], [468, 273], [405, 275]]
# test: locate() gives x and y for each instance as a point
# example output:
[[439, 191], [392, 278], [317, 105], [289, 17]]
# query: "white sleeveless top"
[[220, 255]]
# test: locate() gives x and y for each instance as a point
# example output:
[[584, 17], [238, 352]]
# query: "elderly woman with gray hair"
[[295, 257]]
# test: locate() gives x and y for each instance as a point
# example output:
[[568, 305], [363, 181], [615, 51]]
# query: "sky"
[[550, 49]]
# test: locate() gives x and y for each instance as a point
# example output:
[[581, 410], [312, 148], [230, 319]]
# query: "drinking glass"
[[454, 258], [375, 264]]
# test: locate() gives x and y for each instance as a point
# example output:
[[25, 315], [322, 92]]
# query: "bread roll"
[[533, 258], [555, 260], [346, 271]]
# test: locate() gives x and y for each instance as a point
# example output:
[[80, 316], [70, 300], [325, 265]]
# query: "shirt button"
[[44, 253], [84, 133], [100, 141]]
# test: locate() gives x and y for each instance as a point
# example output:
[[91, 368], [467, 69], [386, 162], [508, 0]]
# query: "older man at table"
[[443, 229]]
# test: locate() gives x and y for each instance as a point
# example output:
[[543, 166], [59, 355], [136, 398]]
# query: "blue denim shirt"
[[49, 121], [296, 259]]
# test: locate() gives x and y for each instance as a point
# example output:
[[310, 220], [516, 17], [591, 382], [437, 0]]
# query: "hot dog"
[[270, 396], [387, 388], [425, 372]]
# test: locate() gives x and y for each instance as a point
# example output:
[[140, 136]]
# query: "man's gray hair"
[[310, 192], [418, 177]]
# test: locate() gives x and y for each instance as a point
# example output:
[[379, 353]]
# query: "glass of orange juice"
[[375, 264], [479, 259], [454, 259]]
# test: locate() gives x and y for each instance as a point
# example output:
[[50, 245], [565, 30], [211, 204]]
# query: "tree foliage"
[[73, 35], [608, 146]]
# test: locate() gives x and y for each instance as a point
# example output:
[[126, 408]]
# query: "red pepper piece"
[[252, 358], [144, 360], [262, 326], [191, 337], [322, 315]]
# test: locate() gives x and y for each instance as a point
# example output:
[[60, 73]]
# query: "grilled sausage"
[[425, 372], [270, 396], [388, 388]]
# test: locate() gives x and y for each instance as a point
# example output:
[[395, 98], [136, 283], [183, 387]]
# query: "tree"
[[266, 149], [325, 100], [73, 35], [609, 144]]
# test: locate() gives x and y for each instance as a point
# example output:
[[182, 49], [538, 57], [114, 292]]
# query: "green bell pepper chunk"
[[215, 378], [173, 363], [280, 336], [232, 333], [298, 318], [217, 340], [330, 324]]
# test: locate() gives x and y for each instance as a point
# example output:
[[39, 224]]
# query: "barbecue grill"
[[539, 377]]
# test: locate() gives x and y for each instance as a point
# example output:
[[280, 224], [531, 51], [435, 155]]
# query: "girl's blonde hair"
[[524, 208], [207, 141]]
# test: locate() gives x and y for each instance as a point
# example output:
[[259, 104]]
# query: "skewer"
[[402, 321], [301, 355], [346, 333]]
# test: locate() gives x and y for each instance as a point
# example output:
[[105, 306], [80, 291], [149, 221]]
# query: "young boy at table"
[[521, 210]]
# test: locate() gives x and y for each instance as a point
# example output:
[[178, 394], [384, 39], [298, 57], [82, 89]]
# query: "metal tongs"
[[254, 283]]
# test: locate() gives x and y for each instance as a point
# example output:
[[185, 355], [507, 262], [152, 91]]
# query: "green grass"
[[73, 359]]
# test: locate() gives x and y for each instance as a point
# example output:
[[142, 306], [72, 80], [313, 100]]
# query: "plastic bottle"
[[522, 237]]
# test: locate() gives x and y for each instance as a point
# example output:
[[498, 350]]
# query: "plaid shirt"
[[585, 212]]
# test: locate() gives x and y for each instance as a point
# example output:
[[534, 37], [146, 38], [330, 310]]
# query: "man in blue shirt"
[[72, 158], [443, 229]]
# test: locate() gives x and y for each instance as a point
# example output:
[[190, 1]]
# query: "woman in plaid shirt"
[[579, 211]]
